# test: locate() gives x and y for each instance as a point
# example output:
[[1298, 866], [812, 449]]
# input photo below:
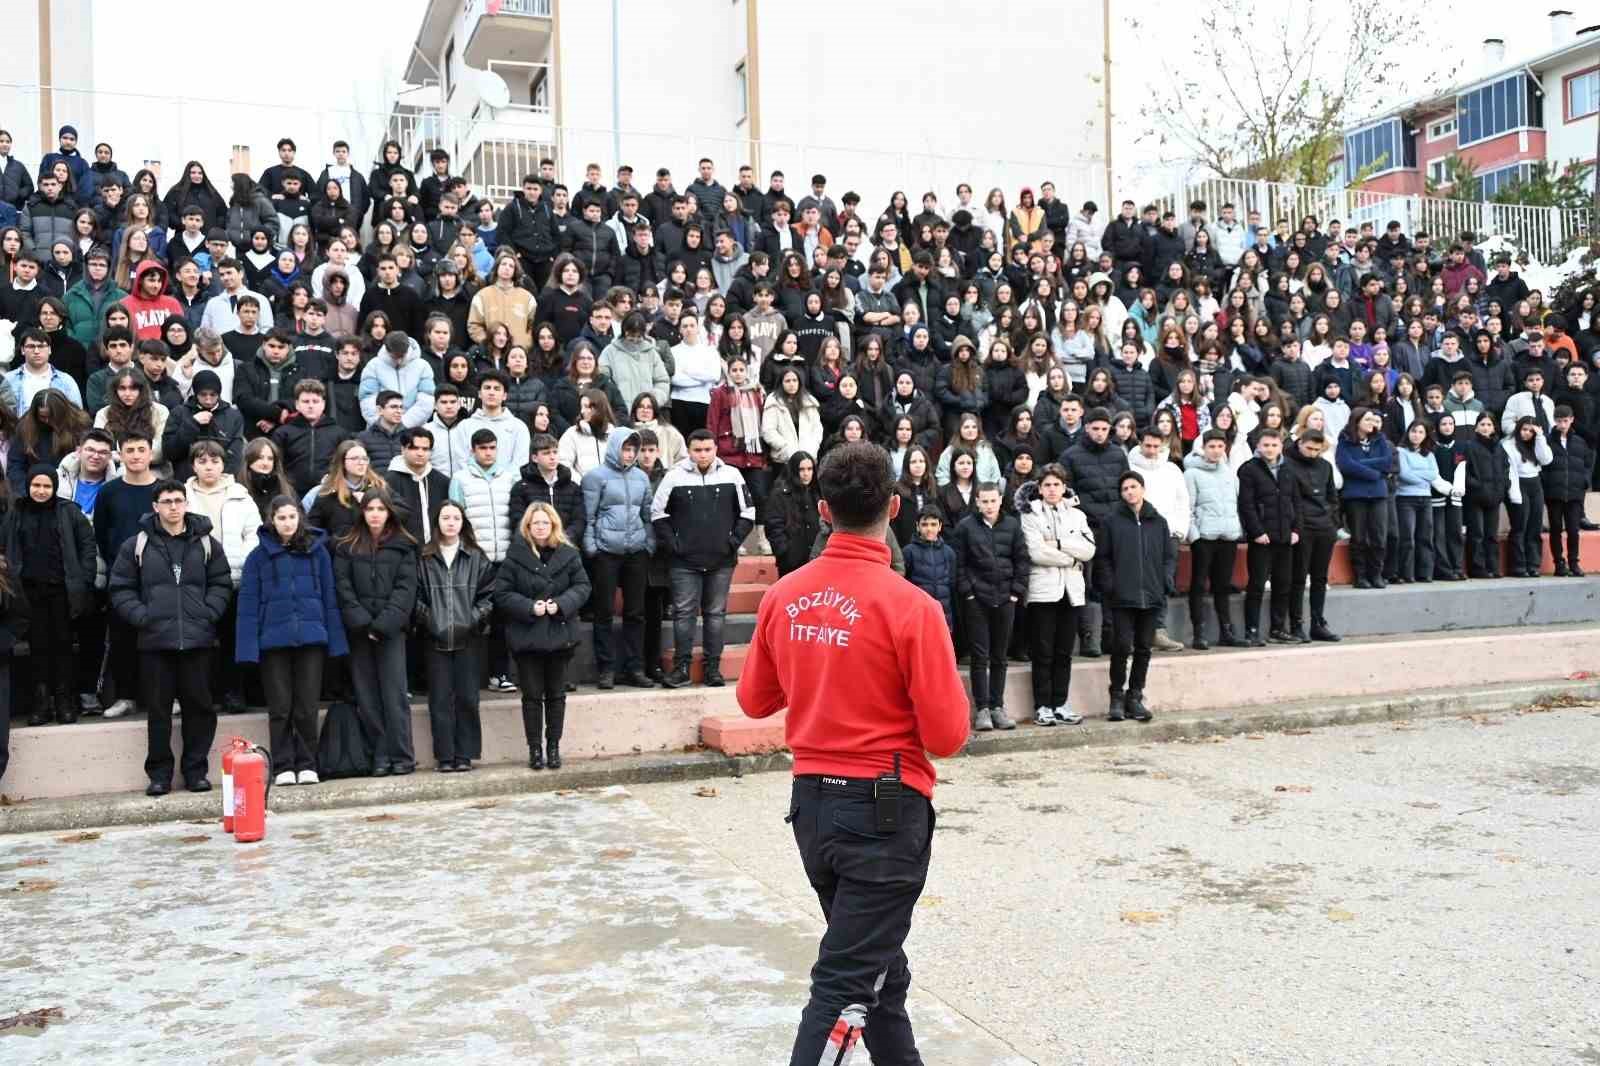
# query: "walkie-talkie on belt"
[[886, 797]]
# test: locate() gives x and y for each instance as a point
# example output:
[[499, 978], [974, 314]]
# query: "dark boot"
[[1297, 632], [1114, 711], [712, 675], [1134, 708], [679, 676], [536, 759], [553, 754], [66, 705], [554, 725], [1252, 638], [1228, 639], [1198, 642], [1320, 631], [1089, 646], [42, 712]]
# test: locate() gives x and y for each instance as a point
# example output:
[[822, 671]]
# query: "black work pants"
[[1483, 550], [1277, 562], [1211, 570], [291, 680], [1447, 539], [188, 675], [50, 637], [90, 630], [453, 702], [656, 600], [1566, 516], [1527, 538], [868, 884], [609, 573], [1311, 558], [542, 677], [123, 658], [1133, 629], [378, 674], [988, 634], [5, 714], [1052, 630], [1369, 529]]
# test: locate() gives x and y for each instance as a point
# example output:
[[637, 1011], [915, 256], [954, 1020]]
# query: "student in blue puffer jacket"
[[931, 563], [617, 542], [1366, 459], [289, 622]]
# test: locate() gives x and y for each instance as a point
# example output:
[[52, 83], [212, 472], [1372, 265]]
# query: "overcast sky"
[[373, 41]]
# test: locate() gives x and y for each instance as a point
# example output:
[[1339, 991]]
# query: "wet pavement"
[[556, 929], [1398, 893]]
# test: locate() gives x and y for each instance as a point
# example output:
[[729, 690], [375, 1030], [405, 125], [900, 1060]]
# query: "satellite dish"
[[492, 89]]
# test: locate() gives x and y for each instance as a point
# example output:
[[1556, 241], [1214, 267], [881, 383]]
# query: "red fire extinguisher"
[[229, 752], [250, 794]]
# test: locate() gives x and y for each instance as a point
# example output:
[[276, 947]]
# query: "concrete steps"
[[1223, 680]]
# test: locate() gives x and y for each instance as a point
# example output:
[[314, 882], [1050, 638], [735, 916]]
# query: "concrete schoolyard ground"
[[1412, 892]]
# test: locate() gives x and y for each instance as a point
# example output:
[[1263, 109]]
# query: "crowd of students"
[[385, 428]]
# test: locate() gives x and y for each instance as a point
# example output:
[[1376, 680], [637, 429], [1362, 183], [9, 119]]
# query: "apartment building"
[[1507, 117], [805, 86]]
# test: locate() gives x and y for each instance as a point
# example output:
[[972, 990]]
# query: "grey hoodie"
[[636, 366]]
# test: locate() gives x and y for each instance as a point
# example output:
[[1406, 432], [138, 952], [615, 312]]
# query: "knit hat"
[[207, 381], [64, 130]]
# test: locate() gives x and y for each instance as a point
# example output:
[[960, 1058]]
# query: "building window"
[[741, 78], [1437, 131], [539, 91], [1436, 171], [1493, 181], [1583, 94], [1379, 148], [1497, 108]]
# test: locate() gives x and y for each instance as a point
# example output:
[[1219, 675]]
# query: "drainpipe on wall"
[[616, 87]]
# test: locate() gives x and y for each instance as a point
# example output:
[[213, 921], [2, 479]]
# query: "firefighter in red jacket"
[[864, 663]]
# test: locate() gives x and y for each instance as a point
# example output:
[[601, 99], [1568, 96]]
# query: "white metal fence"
[[495, 148], [1544, 233]]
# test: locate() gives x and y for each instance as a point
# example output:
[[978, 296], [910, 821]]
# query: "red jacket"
[[863, 660], [719, 420], [148, 316]]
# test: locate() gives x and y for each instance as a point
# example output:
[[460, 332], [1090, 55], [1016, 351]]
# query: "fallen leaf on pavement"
[[1291, 788], [1423, 805], [1339, 914], [32, 1019], [23, 864], [385, 817], [616, 853], [706, 792], [930, 901], [7, 801], [1580, 675], [77, 838], [304, 836], [1160, 775], [39, 884], [1506, 856], [1254, 736], [484, 806], [193, 840], [566, 792], [1142, 917], [1297, 732]]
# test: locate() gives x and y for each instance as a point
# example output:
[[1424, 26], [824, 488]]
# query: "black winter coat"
[[991, 561], [1008, 387], [594, 246], [1268, 504], [454, 603], [1488, 471], [308, 449], [1132, 556], [924, 419], [1314, 491], [1094, 470], [792, 524], [183, 433], [408, 498], [1493, 382], [75, 538], [177, 591], [377, 590], [1136, 389], [1294, 378], [527, 576], [566, 496], [1567, 476]]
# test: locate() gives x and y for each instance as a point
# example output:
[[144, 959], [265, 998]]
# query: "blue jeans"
[[699, 592]]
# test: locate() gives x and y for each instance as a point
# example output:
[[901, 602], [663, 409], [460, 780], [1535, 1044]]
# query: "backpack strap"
[[144, 538]]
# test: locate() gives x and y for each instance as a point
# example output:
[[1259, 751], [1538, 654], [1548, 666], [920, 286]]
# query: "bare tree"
[[1267, 88]]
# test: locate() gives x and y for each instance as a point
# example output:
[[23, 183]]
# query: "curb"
[[136, 809]]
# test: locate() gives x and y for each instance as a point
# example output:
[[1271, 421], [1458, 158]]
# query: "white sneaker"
[[1044, 716], [506, 684], [1064, 714], [285, 778], [119, 708], [309, 777], [177, 709]]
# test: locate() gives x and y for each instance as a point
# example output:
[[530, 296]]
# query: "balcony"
[[507, 29]]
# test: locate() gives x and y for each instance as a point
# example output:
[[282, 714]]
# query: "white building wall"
[[919, 96], [1566, 141], [72, 72]]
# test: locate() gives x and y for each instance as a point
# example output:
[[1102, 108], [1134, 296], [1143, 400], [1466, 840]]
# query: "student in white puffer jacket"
[[1059, 543]]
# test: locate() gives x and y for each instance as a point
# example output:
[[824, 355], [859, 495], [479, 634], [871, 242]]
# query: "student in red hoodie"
[[864, 663], [149, 304]]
